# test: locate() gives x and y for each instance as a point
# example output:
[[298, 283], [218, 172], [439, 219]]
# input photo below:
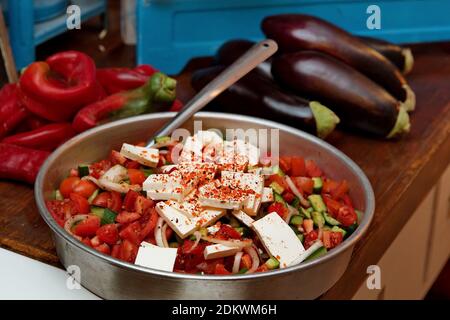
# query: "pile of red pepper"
[[64, 95]]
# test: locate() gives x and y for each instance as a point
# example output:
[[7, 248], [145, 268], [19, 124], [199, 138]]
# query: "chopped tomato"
[[143, 204], [102, 199], [346, 215], [312, 170], [99, 168], [130, 200], [227, 232], [88, 227], [81, 204], [308, 225], [220, 269], [329, 185], [115, 204], [95, 241], [61, 210], [128, 251], [332, 205], [132, 232], [136, 176], [108, 234], [103, 248], [278, 179], [262, 268], [131, 164], [117, 158], [298, 167], [310, 238], [304, 184], [186, 248], [336, 238], [125, 217], [278, 208], [148, 223], [85, 188], [288, 196], [87, 241], [285, 164], [340, 191], [115, 252], [326, 238], [246, 261], [67, 185], [210, 267], [73, 172], [348, 201]]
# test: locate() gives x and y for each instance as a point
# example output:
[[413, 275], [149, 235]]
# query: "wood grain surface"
[[401, 172]]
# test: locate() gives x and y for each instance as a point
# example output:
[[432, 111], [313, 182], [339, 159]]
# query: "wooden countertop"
[[401, 172]]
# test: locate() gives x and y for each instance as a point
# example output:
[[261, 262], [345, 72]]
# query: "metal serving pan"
[[113, 279]]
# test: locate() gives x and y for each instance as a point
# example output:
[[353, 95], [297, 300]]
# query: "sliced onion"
[[296, 192], [237, 262], [158, 232], [291, 211], [71, 221], [164, 235], [198, 237], [116, 174], [113, 186], [229, 243], [255, 258]]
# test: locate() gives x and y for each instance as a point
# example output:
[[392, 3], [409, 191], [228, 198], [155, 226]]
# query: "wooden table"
[[401, 172]]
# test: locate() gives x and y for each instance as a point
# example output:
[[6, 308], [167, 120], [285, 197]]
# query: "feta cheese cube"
[[242, 147], [215, 195], [164, 186], [212, 230], [279, 239], [208, 137], [192, 150], [267, 195], [179, 223], [243, 217], [247, 182], [215, 251], [155, 257], [146, 156], [209, 216]]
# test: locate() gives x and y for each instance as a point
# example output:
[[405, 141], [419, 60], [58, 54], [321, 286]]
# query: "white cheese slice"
[[315, 246], [243, 217], [192, 150], [179, 223], [165, 186], [212, 230], [267, 195], [215, 195], [146, 156], [115, 174], [246, 182], [209, 216], [155, 257], [279, 239], [242, 147], [215, 251], [208, 137]]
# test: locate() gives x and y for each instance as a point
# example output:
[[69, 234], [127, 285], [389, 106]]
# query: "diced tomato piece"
[[227, 232], [99, 168], [81, 203], [130, 200], [67, 185], [103, 248], [131, 164], [312, 170], [186, 248], [340, 191], [332, 205], [58, 211], [132, 232], [262, 268], [95, 241], [278, 208], [117, 158], [211, 265], [169, 233], [125, 217], [308, 225], [102, 199], [288, 196], [162, 160], [87, 241], [128, 251], [278, 179], [246, 261], [88, 227], [115, 204], [304, 184], [298, 167], [329, 185], [336, 238], [346, 216], [73, 172], [220, 269], [310, 238], [326, 238], [148, 223], [115, 252], [85, 188], [348, 201], [143, 204], [136, 176], [285, 164], [109, 233]]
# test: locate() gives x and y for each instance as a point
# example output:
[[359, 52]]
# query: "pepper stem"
[[326, 120], [162, 87]]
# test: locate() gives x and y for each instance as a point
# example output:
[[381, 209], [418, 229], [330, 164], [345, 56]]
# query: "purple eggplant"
[[296, 32], [401, 57], [257, 95], [358, 101]]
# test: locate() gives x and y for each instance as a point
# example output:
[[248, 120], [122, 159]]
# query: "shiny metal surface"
[[113, 279], [260, 52]]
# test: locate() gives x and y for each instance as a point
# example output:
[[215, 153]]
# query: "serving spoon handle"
[[247, 62]]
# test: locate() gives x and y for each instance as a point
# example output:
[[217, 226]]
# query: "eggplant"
[[401, 57], [296, 32], [358, 101], [233, 49], [257, 95]]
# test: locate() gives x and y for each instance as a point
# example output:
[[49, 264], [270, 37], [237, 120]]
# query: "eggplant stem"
[[326, 120], [410, 102], [402, 125], [409, 60]]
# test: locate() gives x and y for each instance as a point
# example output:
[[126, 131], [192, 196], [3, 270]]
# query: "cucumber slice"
[[305, 213], [272, 263], [318, 183], [337, 229], [296, 220], [278, 198], [147, 172], [317, 203], [162, 139], [83, 170], [300, 236], [318, 219], [330, 220], [93, 196], [106, 215], [243, 270], [277, 170], [58, 195], [276, 187], [359, 214], [317, 254]]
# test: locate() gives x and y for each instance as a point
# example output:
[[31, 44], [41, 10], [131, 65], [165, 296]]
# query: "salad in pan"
[[216, 209]]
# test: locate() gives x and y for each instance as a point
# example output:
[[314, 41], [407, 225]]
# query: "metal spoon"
[[247, 62]]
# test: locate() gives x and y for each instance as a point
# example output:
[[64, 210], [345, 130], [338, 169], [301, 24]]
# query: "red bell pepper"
[[19, 163], [12, 112], [159, 88], [46, 138], [31, 122], [114, 80], [57, 88]]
